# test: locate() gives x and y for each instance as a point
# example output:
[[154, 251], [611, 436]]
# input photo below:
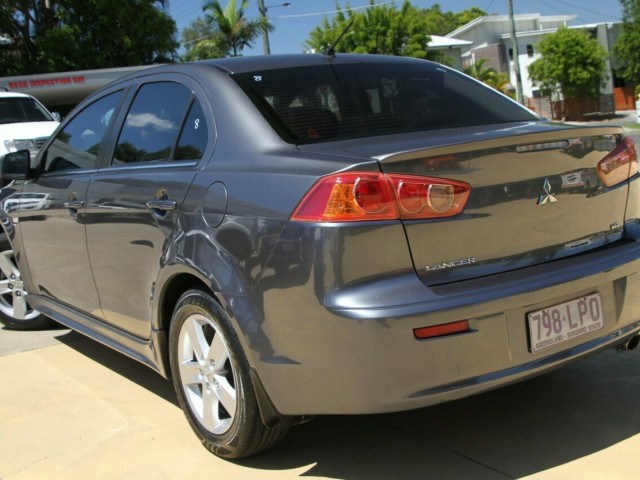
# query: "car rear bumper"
[[344, 358]]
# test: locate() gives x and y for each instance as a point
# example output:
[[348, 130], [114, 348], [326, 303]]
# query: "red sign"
[[47, 82]]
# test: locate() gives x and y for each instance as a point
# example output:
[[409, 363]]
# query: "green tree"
[[21, 21], [489, 75], [386, 29], [441, 23], [480, 71], [627, 47], [572, 64], [84, 34], [231, 30], [381, 29], [199, 41], [466, 16]]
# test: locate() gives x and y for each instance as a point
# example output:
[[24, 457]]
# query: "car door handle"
[[163, 205], [74, 204]]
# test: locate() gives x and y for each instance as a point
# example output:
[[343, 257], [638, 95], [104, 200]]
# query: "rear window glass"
[[333, 102]]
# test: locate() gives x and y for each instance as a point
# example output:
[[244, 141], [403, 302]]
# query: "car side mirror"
[[15, 165]]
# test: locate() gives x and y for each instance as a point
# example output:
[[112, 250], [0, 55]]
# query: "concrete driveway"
[[71, 408]]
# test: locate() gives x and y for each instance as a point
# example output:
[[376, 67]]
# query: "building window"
[[530, 50]]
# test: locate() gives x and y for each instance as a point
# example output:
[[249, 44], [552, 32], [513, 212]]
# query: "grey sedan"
[[292, 236]]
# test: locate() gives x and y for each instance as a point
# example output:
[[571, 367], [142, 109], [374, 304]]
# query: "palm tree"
[[199, 42], [232, 31], [479, 71], [501, 83], [489, 75]]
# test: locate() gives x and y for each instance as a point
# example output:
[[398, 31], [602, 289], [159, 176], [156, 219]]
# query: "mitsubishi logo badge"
[[548, 197]]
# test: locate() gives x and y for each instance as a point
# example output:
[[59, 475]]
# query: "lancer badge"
[[548, 197]]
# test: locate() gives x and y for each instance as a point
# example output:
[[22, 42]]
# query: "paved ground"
[[624, 118], [70, 408]]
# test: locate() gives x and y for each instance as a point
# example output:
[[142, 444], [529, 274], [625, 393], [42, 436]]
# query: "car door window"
[[193, 139], [77, 145], [152, 124]]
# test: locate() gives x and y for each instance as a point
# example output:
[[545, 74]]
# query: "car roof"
[[13, 95], [267, 62], [233, 65], [256, 63]]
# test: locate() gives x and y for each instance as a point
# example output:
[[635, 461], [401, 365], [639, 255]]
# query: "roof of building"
[[539, 18], [437, 42]]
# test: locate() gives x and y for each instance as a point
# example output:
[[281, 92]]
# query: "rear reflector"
[[363, 196], [620, 164], [441, 330]]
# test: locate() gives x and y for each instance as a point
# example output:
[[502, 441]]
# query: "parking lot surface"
[[71, 408]]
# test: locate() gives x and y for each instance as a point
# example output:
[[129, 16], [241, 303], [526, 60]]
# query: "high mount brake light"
[[363, 196], [620, 164]]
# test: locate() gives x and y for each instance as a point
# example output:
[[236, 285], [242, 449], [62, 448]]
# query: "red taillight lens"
[[348, 197], [358, 196], [620, 164], [425, 197]]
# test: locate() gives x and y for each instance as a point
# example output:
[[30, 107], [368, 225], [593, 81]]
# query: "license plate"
[[565, 321]]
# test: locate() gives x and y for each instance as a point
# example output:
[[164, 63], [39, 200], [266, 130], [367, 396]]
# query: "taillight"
[[424, 197], [620, 164], [348, 197], [360, 196]]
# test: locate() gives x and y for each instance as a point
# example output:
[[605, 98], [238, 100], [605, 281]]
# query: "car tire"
[[212, 380], [15, 312]]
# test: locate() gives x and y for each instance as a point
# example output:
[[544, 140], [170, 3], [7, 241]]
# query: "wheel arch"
[[173, 289]]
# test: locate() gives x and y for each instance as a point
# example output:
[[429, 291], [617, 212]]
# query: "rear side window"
[[152, 125], [193, 139], [340, 101]]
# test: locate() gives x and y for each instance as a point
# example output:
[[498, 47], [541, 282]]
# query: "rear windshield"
[[22, 109], [333, 102]]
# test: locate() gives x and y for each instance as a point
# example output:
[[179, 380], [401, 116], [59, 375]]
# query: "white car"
[[25, 124], [27, 201]]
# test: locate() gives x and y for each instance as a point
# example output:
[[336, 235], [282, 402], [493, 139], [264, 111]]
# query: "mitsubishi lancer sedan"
[[291, 236]]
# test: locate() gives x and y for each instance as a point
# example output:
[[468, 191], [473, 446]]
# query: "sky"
[[293, 23]]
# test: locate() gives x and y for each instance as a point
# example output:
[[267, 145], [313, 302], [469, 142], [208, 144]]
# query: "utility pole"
[[516, 55], [266, 49], [262, 10]]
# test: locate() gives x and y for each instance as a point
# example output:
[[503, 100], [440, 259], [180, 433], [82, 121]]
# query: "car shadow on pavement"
[[122, 365], [512, 432], [509, 433]]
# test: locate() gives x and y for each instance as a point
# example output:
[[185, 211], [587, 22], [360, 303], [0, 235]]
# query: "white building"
[[491, 39], [450, 47]]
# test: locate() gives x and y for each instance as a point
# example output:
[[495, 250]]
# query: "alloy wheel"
[[207, 374]]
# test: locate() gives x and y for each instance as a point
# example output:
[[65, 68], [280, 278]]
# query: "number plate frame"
[[565, 321]]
